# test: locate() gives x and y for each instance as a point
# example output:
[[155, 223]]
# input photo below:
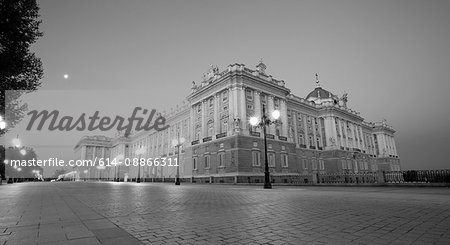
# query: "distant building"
[[315, 135]]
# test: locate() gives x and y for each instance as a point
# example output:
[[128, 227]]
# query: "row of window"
[[350, 164], [256, 159], [207, 161]]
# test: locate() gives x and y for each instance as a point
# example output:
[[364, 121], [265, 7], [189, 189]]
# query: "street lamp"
[[2, 123], [16, 142], [263, 122], [139, 151], [177, 143], [118, 159], [18, 175], [85, 174]]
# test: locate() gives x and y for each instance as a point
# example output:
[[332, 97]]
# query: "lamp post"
[[16, 142], [139, 151], [2, 123], [118, 158], [85, 174], [18, 175], [177, 143], [263, 122]]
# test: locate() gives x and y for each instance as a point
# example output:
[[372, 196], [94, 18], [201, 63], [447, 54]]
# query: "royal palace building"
[[314, 136]]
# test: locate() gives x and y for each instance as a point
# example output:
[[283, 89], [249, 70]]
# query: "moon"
[[66, 76]]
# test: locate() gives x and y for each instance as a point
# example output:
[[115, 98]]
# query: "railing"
[[194, 142], [270, 136], [418, 176], [221, 135], [348, 178], [206, 139], [283, 138], [254, 133]]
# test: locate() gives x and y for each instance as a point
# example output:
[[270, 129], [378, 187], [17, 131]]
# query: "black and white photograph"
[[224, 122]]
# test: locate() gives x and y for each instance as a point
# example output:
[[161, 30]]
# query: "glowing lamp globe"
[[2, 125], [16, 142], [254, 121], [276, 114]]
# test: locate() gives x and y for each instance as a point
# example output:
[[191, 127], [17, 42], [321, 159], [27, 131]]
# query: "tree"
[[20, 69]]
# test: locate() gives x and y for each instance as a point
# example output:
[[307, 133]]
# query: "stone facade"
[[315, 135]]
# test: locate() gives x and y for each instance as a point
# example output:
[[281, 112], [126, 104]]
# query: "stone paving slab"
[[149, 213]]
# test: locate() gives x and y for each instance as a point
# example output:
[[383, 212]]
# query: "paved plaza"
[[148, 213]]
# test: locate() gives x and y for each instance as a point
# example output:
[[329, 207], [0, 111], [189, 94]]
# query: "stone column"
[[242, 108], [269, 109], [305, 128], [313, 123], [203, 131], [343, 139], [363, 143], [330, 132], [216, 114], [283, 117], [192, 125], [257, 106], [294, 118]]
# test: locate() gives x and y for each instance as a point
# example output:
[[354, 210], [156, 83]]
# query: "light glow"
[[254, 121], [276, 114]]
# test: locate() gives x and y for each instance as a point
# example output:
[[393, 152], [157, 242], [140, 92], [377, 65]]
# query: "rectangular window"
[[349, 164], [314, 164], [271, 160], [206, 162], [224, 96], [194, 163], [321, 164], [249, 94], [344, 164], [284, 160], [220, 159], [304, 165], [211, 102], [256, 158]]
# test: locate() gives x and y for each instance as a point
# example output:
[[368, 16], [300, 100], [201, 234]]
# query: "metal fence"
[[418, 176], [348, 178]]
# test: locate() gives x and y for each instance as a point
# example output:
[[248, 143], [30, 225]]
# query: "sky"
[[391, 57]]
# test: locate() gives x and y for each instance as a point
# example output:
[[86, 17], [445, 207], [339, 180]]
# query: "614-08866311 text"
[[157, 161]]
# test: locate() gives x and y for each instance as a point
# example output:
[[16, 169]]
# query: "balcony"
[[194, 142], [302, 146], [312, 147], [283, 138], [320, 148], [254, 133], [221, 135], [206, 139], [270, 136]]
